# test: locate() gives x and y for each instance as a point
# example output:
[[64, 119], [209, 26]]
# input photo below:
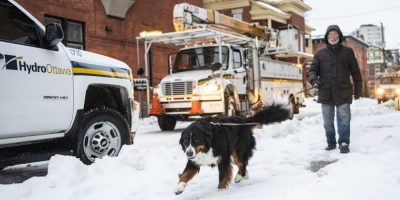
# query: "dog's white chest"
[[205, 158]]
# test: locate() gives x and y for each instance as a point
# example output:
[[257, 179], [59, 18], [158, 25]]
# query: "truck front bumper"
[[135, 111], [185, 107]]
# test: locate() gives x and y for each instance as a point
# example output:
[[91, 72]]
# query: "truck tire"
[[102, 132], [291, 109], [397, 103], [166, 123], [230, 107]]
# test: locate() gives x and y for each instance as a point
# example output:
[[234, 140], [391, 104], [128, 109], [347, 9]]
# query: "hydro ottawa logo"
[[17, 63], [11, 62]]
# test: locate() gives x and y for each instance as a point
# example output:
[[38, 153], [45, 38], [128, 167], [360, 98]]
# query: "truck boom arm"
[[188, 16]]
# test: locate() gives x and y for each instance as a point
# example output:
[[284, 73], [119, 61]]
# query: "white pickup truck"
[[49, 91]]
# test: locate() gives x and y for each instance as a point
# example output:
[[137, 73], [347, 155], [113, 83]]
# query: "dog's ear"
[[181, 139], [208, 132]]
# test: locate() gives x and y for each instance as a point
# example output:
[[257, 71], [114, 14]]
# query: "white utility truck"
[[222, 67], [387, 87], [49, 91]]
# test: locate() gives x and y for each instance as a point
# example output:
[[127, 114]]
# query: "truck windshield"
[[199, 58], [390, 80]]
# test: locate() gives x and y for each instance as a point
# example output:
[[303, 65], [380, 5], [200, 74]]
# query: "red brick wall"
[[317, 46], [361, 56], [297, 20], [121, 42], [245, 15]]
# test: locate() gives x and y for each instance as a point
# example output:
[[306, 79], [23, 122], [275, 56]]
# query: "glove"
[[316, 84], [356, 96]]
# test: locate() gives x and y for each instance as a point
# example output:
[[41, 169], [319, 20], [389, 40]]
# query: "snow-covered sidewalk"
[[289, 163]]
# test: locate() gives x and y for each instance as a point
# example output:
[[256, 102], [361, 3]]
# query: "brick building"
[[360, 50]]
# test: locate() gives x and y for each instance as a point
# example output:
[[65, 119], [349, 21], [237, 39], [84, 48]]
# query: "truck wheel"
[[166, 123], [102, 132], [291, 109], [230, 107]]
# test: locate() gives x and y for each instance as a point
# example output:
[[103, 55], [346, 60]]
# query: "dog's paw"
[[180, 188], [240, 178], [222, 186]]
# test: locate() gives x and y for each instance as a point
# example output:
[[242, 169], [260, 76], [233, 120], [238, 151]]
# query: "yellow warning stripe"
[[97, 72]]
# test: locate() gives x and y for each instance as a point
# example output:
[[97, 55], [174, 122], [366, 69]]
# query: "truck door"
[[36, 95], [239, 72]]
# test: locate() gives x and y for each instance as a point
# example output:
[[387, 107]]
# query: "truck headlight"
[[398, 91], [208, 89], [380, 91]]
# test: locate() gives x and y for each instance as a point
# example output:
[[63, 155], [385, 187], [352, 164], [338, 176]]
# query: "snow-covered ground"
[[289, 163]]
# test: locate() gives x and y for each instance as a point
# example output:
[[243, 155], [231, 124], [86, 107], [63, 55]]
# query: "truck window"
[[237, 59], [16, 27], [199, 58]]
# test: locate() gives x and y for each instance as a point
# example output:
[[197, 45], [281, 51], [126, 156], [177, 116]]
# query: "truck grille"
[[177, 88], [390, 91]]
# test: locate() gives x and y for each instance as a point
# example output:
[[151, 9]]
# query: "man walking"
[[330, 72]]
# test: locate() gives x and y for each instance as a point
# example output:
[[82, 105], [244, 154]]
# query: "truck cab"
[[51, 92]]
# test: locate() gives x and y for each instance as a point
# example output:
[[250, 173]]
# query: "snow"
[[289, 163]]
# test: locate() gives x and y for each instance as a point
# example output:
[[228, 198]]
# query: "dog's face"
[[196, 139]]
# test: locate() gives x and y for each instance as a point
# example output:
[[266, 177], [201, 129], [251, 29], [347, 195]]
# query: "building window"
[[237, 14], [377, 69], [73, 31]]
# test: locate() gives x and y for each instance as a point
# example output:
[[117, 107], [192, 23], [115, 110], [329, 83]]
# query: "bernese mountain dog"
[[221, 141]]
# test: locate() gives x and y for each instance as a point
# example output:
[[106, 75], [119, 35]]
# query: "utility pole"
[[383, 45]]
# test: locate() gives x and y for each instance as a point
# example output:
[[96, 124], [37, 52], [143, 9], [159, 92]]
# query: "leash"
[[235, 124], [305, 90], [301, 92], [252, 123]]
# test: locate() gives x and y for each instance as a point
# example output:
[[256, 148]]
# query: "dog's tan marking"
[[187, 175], [200, 148], [227, 179], [240, 165]]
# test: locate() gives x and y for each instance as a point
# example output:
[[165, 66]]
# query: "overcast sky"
[[350, 14]]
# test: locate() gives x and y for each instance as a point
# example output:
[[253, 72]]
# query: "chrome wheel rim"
[[291, 109], [231, 110], [101, 138]]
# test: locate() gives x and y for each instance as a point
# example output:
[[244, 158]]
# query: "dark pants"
[[343, 116]]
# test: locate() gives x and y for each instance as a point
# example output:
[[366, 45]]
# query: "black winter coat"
[[332, 67]]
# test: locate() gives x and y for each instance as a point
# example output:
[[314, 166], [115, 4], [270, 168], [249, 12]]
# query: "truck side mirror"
[[54, 34], [140, 71], [216, 66], [171, 58]]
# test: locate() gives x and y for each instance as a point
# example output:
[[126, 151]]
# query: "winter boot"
[[330, 147], [344, 148]]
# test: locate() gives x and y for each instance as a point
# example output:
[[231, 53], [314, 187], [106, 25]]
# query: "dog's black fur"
[[208, 144]]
